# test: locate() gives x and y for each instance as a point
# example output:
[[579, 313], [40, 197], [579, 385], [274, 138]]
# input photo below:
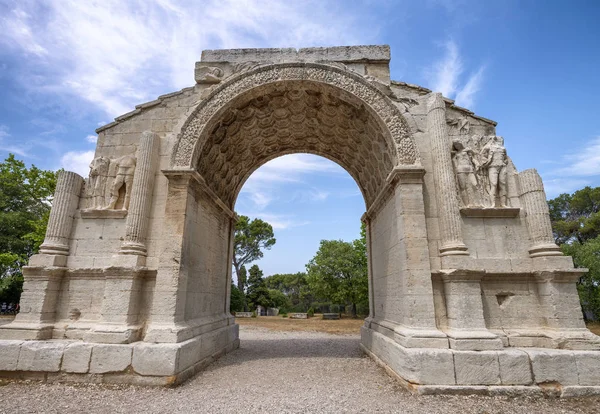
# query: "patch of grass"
[[337, 327]]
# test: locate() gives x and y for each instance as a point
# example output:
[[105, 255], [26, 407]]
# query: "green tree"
[[587, 255], [294, 286], [251, 238], [338, 273], [279, 299], [576, 226], [25, 200], [237, 299], [258, 293], [576, 217]]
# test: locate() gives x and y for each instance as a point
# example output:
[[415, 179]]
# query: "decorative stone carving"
[[124, 178], [495, 163], [195, 131], [97, 181], [450, 226], [461, 125], [465, 166], [295, 120], [480, 164], [66, 199], [249, 65], [209, 75]]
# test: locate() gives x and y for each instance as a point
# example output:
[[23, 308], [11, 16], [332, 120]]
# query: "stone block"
[[40, 356], [588, 367], [477, 368], [155, 359], [578, 391], [551, 365], [9, 355], [76, 358], [110, 358], [514, 367]]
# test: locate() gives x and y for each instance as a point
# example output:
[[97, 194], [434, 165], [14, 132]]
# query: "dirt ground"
[[594, 327], [315, 324]]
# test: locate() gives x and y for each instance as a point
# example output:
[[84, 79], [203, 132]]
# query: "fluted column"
[[443, 173], [66, 199], [534, 201], [141, 195]]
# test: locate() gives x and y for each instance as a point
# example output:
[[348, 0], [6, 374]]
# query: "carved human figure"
[[494, 154], [124, 177], [97, 184], [466, 165]]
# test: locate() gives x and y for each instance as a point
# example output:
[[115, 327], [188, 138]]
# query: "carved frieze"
[[110, 183], [195, 131], [209, 75], [480, 166]]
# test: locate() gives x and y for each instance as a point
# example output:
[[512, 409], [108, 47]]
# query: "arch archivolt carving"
[[291, 108], [186, 150]]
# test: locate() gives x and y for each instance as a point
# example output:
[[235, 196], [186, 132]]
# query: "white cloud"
[[445, 76], [22, 150], [92, 139], [265, 184], [445, 72], [585, 162], [582, 168], [115, 53], [77, 161], [466, 96], [280, 221]]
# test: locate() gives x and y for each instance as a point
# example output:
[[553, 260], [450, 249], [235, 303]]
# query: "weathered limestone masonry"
[[468, 292]]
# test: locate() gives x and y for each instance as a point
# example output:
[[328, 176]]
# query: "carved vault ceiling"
[[294, 119]]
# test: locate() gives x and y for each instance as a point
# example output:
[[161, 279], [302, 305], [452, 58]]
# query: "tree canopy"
[[258, 293], [25, 201], [251, 238], [295, 287], [338, 272], [576, 226], [576, 216]]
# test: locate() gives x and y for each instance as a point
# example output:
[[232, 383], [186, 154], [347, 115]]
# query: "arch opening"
[[294, 117]]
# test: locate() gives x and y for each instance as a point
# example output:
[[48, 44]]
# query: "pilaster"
[[141, 196], [445, 184]]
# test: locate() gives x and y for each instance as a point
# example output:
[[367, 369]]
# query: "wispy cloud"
[[580, 168], [77, 161], [266, 184], [91, 139], [115, 53], [446, 76], [15, 149], [280, 221]]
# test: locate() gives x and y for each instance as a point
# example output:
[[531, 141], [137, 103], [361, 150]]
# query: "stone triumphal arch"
[[467, 289]]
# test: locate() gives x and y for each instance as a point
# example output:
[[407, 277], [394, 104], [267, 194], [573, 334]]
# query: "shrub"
[[311, 312]]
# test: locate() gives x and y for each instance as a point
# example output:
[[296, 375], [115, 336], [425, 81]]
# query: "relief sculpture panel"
[[480, 165], [110, 182]]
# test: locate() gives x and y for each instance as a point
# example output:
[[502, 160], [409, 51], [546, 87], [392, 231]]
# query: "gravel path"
[[274, 372]]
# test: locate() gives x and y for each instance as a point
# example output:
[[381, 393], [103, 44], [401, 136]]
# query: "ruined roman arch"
[[468, 291]]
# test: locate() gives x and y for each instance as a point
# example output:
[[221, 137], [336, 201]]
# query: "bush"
[[283, 315], [311, 312], [254, 314]]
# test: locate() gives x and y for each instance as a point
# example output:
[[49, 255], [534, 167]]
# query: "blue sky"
[[67, 67]]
